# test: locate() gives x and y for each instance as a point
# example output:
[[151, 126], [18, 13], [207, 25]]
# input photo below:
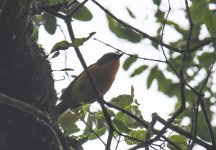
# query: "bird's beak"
[[120, 55]]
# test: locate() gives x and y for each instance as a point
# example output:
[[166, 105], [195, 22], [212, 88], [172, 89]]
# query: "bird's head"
[[108, 57]]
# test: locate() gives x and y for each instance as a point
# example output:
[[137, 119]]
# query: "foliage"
[[195, 57]]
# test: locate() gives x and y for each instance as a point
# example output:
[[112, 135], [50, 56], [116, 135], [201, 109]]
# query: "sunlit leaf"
[[129, 61], [125, 122], [100, 114], [122, 101], [131, 122], [97, 133], [179, 140], [120, 126], [206, 59], [50, 23], [140, 135]]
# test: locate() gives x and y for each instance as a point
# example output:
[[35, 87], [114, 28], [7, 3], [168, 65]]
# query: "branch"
[[186, 134], [38, 114], [201, 45], [100, 99], [191, 25], [76, 9], [144, 123]]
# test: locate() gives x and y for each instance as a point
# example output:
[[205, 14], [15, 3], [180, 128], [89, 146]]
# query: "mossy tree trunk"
[[25, 74]]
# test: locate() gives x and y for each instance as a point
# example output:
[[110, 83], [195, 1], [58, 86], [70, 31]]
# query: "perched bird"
[[80, 91]]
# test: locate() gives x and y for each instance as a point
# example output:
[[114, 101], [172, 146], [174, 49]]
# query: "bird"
[[80, 91]]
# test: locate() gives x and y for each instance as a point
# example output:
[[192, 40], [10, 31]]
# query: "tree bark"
[[25, 74]]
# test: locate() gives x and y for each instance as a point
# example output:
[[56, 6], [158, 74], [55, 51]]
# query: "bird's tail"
[[61, 108]]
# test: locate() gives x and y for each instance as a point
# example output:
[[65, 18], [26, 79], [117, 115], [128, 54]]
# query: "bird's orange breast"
[[103, 76]]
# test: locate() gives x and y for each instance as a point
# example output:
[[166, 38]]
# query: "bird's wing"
[[67, 91]]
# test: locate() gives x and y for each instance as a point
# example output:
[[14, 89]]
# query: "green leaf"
[[159, 15], [99, 133], [163, 83], [67, 69], [131, 122], [125, 122], [210, 21], [55, 54], [67, 123], [80, 41], [100, 115], [83, 14], [202, 125], [140, 135], [122, 101], [123, 32], [151, 76], [178, 28], [35, 34], [206, 59], [130, 13], [157, 2], [179, 140], [54, 2], [68, 116], [62, 45], [120, 126], [139, 70], [50, 23], [129, 61], [201, 14]]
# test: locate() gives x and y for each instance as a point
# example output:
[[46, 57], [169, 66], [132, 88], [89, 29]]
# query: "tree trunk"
[[25, 74]]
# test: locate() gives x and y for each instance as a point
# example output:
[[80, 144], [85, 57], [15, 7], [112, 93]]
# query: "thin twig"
[[129, 137], [191, 25], [90, 128], [186, 134], [118, 141], [149, 59], [194, 125]]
